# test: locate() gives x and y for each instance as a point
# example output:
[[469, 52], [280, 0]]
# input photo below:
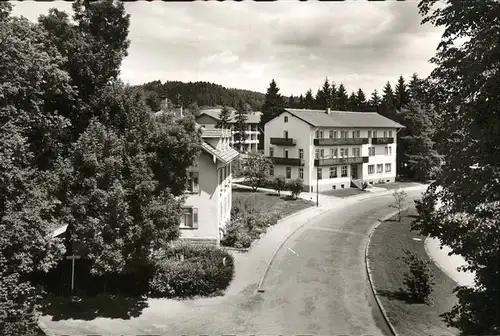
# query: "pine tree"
[[342, 98], [323, 97], [291, 101], [273, 104], [333, 96], [224, 118], [309, 100], [240, 126], [301, 102], [352, 103], [387, 108], [401, 97], [361, 100], [374, 102]]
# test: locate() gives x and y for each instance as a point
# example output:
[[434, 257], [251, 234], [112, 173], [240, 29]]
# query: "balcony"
[[283, 141], [382, 141], [287, 161], [340, 141], [339, 161]]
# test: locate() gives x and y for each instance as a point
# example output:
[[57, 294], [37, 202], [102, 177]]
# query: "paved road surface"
[[316, 285]]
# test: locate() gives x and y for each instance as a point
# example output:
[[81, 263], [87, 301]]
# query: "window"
[[387, 167], [285, 134], [390, 133], [193, 182], [343, 134], [358, 134], [322, 153], [375, 134], [353, 134], [321, 134], [271, 151], [301, 173], [189, 218], [332, 152], [342, 152], [380, 168], [330, 134], [335, 152], [288, 172], [385, 134], [317, 134], [271, 171], [286, 118], [316, 152], [301, 154], [347, 152], [319, 173], [369, 134], [356, 152], [371, 169], [386, 150], [285, 153], [333, 172], [335, 134], [390, 150], [371, 151], [343, 171]]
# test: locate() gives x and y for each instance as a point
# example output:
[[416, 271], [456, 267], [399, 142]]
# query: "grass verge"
[[408, 318], [343, 193], [269, 202]]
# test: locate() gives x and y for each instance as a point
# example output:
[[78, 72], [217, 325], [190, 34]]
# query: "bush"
[[279, 184], [237, 235], [241, 232], [295, 187], [201, 271], [419, 280], [242, 205]]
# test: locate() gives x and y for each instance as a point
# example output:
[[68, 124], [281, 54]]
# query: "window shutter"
[[195, 218]]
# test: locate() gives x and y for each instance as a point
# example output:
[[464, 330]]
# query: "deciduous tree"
[[466, 79], [255, 169]]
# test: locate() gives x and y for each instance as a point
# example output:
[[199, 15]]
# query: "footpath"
[[251, 265], [448, 263]]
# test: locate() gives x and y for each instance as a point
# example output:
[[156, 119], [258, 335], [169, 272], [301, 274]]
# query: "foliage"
[[418, 156], [309, 100], [324, 97], [273, 103], [419, 280], [279, 184], [240, 126], [202, 270], [466, 81], [341, 98], [255, 169], [202, 93], [241, 206], [399, 200], [248, 226], [295, 187], [236, 235], [224, 118]]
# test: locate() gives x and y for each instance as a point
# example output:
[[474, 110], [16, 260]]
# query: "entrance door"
[[354, 172]]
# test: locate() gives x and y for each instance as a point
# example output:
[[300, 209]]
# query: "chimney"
[[328, 111]]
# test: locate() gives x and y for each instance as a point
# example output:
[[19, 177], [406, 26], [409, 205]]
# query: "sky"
[[246, 44]]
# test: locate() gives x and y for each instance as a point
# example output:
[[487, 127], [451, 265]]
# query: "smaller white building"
[[332, 149], [209, 118]]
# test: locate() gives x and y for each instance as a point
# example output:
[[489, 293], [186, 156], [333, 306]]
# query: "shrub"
[[279, 184], [242, 205], [399, 200], [419, 280], [295, 187], [203, 270], [237, 235]]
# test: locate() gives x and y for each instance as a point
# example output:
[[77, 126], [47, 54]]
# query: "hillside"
[[201, 93]]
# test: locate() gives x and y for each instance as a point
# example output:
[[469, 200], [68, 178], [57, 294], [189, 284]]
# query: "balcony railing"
[[283, 141], [338, 161], [382, 141], [287, 161], [340, 141]]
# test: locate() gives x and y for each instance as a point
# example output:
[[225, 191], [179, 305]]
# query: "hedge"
[[187, 270]]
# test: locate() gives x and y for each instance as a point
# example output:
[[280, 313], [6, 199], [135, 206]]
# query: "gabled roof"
[[253, 117], [319, 118], [225, 156]]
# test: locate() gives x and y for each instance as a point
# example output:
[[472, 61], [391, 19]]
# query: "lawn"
[[343, 193], [267, 202], [397, 185], [408, 318]]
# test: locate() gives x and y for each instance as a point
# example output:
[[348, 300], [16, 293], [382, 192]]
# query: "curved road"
[[316, 285]]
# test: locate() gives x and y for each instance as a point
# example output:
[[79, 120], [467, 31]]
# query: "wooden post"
[[73, 257]]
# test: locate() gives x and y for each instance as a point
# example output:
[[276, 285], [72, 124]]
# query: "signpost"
[[72, 258]]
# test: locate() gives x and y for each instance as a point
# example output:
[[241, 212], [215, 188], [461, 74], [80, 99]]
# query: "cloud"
[[246, 44]]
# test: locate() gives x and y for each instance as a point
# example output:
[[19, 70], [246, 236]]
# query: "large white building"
[[209, 118], [332, 149]]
